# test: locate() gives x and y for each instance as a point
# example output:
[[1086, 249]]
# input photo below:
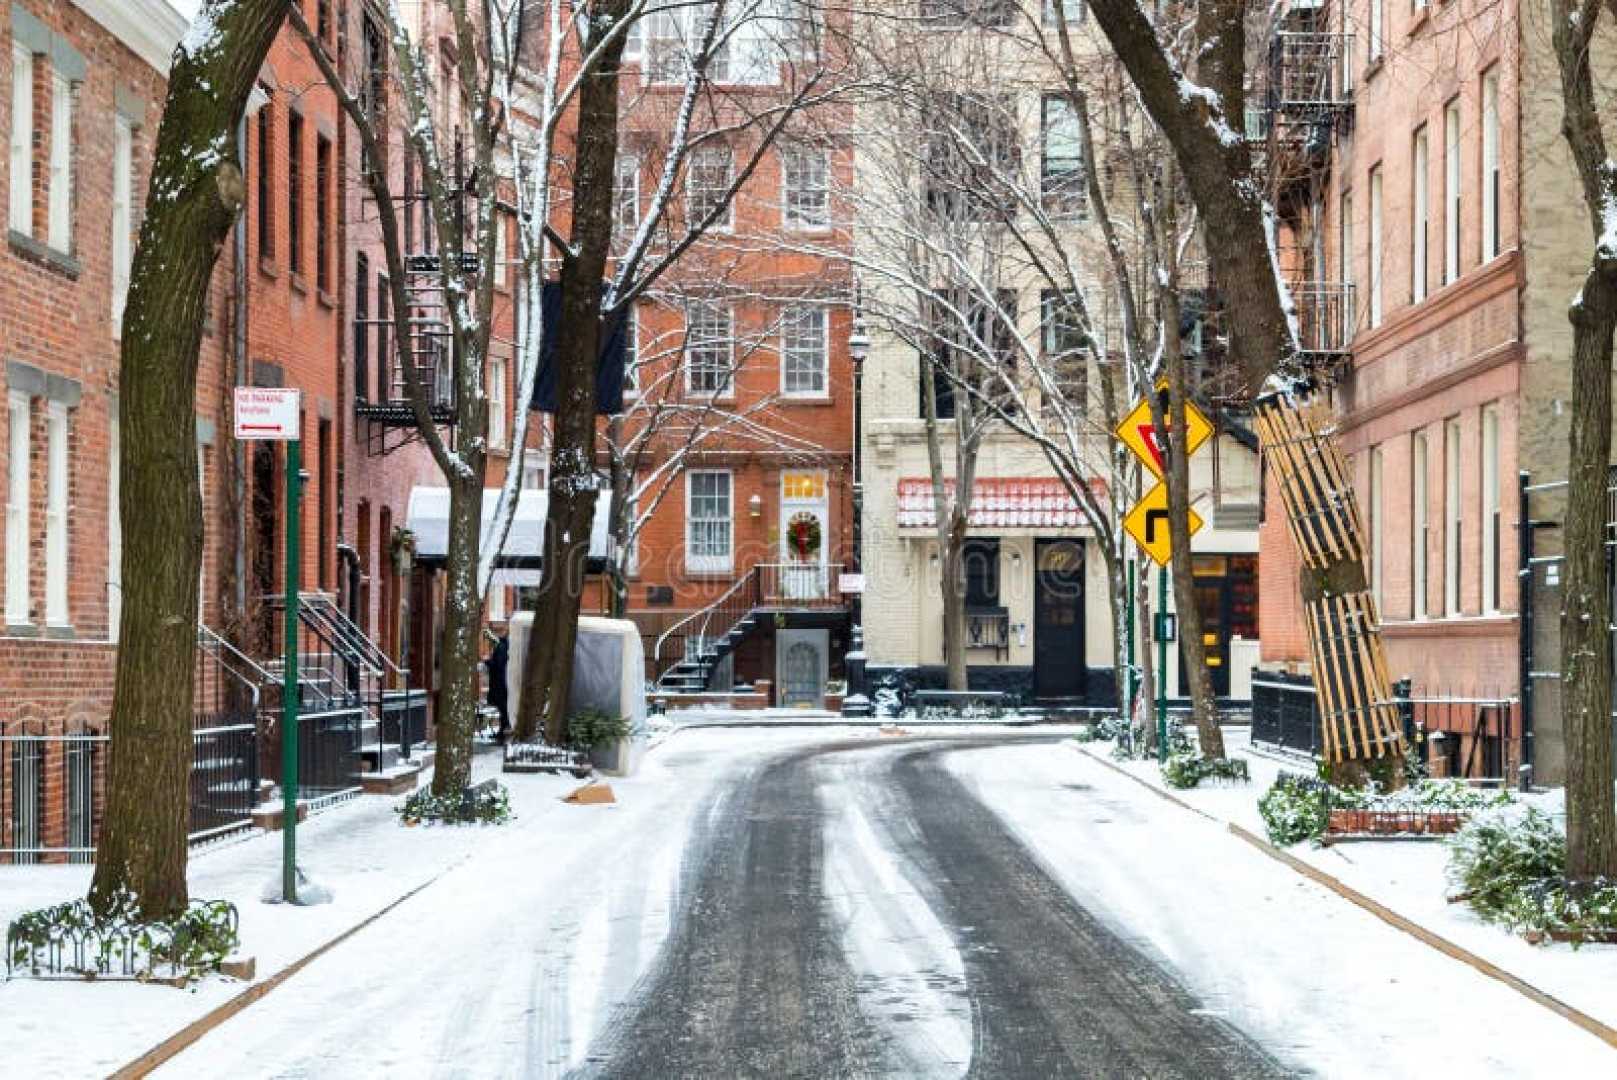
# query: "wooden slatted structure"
[[1358, 716]]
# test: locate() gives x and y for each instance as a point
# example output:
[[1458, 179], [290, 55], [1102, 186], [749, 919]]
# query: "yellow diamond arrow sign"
[[1140, 435], [1148, 524]]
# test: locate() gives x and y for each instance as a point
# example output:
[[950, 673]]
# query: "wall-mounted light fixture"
[[755, 505]]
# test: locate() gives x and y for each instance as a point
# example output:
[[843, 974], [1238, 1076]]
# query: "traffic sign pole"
[[289, 688], [1162, 666]]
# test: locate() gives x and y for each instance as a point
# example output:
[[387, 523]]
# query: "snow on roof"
[[1032, 502], [428, 519]]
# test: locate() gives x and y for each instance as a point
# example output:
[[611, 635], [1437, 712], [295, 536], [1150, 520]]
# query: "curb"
[[181, 1040], [1604, 1032]]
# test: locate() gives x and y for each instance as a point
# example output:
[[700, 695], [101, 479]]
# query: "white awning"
[[428, 519]]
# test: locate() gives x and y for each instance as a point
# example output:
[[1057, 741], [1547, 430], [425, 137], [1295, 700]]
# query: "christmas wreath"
[[803, 533]]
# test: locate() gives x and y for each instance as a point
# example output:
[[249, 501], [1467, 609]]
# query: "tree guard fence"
[[1359, 716]]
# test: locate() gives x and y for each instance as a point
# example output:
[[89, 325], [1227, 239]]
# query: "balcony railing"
[[1326, 317], [799, 584], [1310, 73]]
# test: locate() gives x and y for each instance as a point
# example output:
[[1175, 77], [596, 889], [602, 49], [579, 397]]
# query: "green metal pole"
[[1162, 666], [289, 689]]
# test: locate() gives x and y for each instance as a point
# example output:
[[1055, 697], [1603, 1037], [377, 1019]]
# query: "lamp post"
[[856, 702]]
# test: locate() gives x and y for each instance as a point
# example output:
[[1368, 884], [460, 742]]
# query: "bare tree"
[[1591, 823], [196, 191]]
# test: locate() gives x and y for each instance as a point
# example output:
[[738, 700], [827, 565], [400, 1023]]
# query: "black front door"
[[1058, 619]]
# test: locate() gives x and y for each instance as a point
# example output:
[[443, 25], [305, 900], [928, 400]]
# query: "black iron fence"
[[1475, 736]]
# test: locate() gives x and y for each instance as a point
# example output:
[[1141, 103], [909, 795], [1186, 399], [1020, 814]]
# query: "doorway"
[[801, 666], [1227, 600], [804, 527], [266, 517], [1059, 669]]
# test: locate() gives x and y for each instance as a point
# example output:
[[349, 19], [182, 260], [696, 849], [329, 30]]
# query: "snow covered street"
[[827, 902]]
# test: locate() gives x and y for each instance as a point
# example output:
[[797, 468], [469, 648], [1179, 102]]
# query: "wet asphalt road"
[[754, 980]]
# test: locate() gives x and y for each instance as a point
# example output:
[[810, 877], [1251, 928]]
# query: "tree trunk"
[[547, 674], [196, 190], [459, 644], [1148, 667], [1117, 577], [952, 562]]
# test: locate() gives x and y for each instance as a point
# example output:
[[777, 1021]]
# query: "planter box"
[[1409, 823]]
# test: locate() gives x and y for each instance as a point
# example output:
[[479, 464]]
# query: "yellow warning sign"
[[1139, 434], [1148, 524]]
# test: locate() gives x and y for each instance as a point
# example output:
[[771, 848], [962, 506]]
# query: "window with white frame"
[[1490, 165], [1377, 524], [497, 414], [1061, 156], [1070, 12], [1492, 572], [1419, 523], [747, 47], [497, 603], [1375, 246], [803, 341], [707, 187], [1452, 181], [1378, 23], [22, 139], [115, 530], [56, 480], [1451, 517], [60, 202], [1420, 158], [626, 195], [19, 416], [533, 470], [805, 187], [123, 177], [709, 348], [709, 521], [1344, 259]]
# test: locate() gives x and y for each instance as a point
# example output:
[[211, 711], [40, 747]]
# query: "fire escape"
[[1306, 103]]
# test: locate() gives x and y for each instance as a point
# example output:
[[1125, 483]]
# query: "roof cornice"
[[151, 28]]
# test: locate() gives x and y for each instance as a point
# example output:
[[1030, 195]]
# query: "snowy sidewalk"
[[1403, 875]]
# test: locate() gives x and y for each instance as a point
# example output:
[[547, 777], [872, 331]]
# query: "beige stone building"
[[995, 257]]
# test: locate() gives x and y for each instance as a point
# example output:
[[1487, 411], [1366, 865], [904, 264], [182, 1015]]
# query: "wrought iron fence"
[[1285, 714], [51, 789]]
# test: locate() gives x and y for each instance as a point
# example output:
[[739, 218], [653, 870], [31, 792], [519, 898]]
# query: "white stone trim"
[[151, 28]]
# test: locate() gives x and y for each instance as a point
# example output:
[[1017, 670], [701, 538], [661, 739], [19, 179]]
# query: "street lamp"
[[856, 702]]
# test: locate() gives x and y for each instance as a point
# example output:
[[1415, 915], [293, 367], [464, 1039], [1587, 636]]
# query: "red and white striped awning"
[[1033, 502]]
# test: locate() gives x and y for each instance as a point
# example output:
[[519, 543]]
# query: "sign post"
[[277, 415], [1162, 664]]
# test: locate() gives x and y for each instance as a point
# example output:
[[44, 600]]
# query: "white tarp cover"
[[428, 519]]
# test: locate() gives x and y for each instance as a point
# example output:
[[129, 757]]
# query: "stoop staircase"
[[716, 631]]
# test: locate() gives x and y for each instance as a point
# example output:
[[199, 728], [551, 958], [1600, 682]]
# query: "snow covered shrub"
[[592, 727], [1294, 809], [1184, 769], [73, 938], [488, 803], [1508, 865]]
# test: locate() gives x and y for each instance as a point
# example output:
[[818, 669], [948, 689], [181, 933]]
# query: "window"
[[1344, 257], [323, 20], [294, 192], [533, 470], [501, 250], [971, 146], [60, 203], [115, 527], [1061, 169], [323, 485], [803, 348], [951, 13], [1491, 523], [373, 91], [1378, 22], [497, 418], [497, 605], [1490, 165], [1375, 246], [1451, 192], [980, 562], [266, 187], [18, 420], [969, 339], [708, 517], [1420, 213], [1418, 5], [22, 139], [362, 328], [709, 348], [1419, 526], [1065, 351], [1377, 524], [123, 175], [322, 213], [805, 187], [56, 481], [1069, 11], [707, 187], [626, 195], [1451, 517], [384, 341]]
